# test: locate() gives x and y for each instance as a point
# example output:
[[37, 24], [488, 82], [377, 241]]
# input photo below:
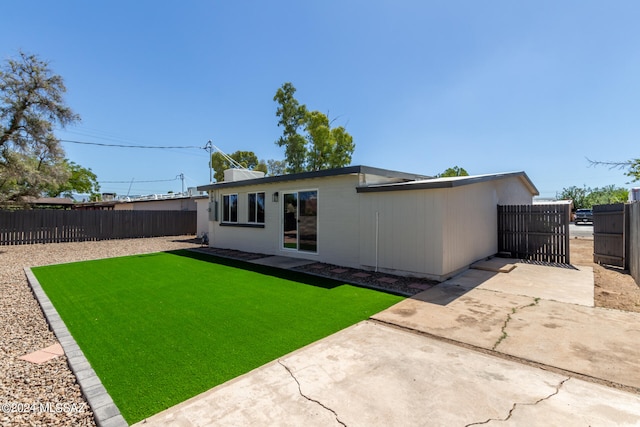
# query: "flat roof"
[[315, 174], [410, 181], [448, 182]]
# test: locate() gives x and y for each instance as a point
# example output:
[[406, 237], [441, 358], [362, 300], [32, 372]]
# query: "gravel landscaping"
[[47, 393]]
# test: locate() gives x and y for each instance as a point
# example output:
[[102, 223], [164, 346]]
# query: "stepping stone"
[[361, 275], [420, 286], [339, 270], [388, 280], [316, 266], [44, 355]]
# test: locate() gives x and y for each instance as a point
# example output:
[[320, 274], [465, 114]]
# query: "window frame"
[[228, 208], [253, 211]]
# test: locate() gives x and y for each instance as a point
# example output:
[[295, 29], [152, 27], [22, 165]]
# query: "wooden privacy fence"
[[633, 242], [610, 234], [616, 236], [55, 226], [535, 232]]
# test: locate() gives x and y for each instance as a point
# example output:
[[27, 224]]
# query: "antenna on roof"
[[235, 165]]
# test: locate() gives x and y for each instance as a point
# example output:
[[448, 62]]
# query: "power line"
[[101, 144], [127, 182]]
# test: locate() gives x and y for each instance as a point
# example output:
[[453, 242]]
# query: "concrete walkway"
[[374, 375], [389, 371], [537, 313]]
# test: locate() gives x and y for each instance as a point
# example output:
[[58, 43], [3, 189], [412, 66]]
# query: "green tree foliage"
[[454, 171], [262, 167], [586, 198], [633, 170], [276, 167], [80, 180], [577, 194], [31, 104], [292, 116], [247, 159], [608, 194], [321, 147]]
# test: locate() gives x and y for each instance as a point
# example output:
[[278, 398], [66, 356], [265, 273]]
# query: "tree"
[[586, 198], [80, 180], [607, 195], [329, 148], [31, 105], [454, 171], [577, 194], [322, 147], [632, 166], [276, 167], [292, 116], [247, 159]]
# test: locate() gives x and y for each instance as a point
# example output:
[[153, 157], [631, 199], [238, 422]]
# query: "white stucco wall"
[[408, 228], [337, 220], [434, 232], [423, 232], [202, 215]]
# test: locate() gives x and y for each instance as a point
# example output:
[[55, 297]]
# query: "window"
[[230, 208], [256, 207]]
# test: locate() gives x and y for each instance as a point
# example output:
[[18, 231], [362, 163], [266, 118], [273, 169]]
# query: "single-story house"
[[365, 217]]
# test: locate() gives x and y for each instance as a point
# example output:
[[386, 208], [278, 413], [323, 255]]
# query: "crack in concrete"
[[516, 404], [514, 310], [310, 399]]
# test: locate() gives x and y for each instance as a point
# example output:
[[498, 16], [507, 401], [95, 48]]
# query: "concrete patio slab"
[[473, 317], [597, 342], [356, 378], [596, 406], [490, 311], [570, 285], [498, 265]]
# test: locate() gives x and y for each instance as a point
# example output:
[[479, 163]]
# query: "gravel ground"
[[51, 386]]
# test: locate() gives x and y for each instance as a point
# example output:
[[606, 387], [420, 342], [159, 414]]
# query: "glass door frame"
[[291, 217]]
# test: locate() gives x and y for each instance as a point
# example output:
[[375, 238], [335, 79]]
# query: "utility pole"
[[181, 176], [209, 148]]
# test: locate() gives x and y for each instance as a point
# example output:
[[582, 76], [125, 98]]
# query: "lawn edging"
[[105, 411]]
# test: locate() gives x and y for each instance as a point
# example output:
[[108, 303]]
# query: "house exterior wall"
[[337, 220], [434, 232], [427, 232], [512, 191], [470, 226], [202, 216], [409, 232], [177, 204]]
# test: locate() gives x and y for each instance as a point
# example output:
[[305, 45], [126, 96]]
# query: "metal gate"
[[610, 226]]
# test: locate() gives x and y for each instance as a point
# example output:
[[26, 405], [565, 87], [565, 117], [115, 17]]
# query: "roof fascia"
[[439, 183], [314, 174]]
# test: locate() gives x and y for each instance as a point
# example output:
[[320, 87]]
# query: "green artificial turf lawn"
[[161, 328]]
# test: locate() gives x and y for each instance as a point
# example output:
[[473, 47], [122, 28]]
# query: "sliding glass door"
[[300, 221]]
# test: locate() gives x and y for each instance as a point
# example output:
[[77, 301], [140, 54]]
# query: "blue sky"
[[490, 86]]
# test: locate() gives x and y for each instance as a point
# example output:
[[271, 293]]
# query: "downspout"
[[377, 236]]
